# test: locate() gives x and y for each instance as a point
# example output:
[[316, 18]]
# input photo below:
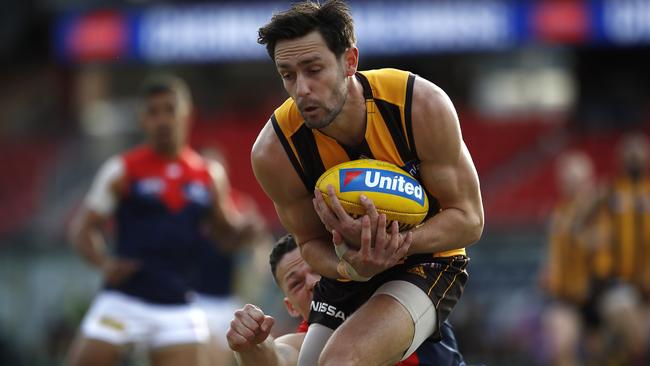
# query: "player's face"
[[635, 156], [165, 119], [575, 174], [314, 78], [297, 281]]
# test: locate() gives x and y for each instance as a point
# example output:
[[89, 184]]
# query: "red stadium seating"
[[26, 164]]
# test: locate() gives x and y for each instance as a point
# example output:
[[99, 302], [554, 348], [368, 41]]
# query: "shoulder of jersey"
[[288, 115], [388, 84], [138, 153]]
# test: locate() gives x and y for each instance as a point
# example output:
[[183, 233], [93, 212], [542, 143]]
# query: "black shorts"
[[442, 279]]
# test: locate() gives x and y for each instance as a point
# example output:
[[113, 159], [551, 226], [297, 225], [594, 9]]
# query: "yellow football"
[[393, 191]]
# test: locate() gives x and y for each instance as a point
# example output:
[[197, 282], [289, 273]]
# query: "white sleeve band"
[[354, 275], [340, 250], [100, 198]]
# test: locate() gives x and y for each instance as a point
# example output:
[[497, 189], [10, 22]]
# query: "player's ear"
[[290, 308], [351, 60]]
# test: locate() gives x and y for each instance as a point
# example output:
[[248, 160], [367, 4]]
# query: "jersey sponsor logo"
[[112, 323], [413, 168], [327, 309], [197, 192], [417, 270], [150, 186], [383, 181]]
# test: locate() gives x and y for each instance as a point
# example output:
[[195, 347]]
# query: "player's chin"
[[165, 143], [315, 123]]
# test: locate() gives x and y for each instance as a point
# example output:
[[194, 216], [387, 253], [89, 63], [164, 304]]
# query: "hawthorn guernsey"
[[323, 307], [393, 191]]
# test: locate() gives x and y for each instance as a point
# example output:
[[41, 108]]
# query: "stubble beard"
[[340, 95]]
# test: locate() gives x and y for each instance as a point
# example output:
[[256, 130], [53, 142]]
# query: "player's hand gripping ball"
[[394, 192]]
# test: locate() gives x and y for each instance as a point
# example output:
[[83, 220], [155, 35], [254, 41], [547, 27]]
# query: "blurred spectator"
[[627, 203], [165, 203], [629, 207], [570, 276]]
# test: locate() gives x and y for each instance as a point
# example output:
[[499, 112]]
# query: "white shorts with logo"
[[219, 312], [121, 319]]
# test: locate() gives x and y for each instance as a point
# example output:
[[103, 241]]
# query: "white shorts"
[[219, 311], [121, 319]]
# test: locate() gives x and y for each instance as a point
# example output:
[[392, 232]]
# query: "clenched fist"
[[249, 328]]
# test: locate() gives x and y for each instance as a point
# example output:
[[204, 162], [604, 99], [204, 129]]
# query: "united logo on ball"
[[393, 191]]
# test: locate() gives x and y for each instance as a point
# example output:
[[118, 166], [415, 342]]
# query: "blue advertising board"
[[228, 31]]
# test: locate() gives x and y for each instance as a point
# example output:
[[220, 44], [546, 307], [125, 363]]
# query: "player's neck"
[[169, 153], [349, 127]]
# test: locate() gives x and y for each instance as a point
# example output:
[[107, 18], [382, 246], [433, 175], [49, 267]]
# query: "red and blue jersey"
[[214, 275], [161, 221]]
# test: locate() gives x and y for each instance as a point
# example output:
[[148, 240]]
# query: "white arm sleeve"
[[100, 198]]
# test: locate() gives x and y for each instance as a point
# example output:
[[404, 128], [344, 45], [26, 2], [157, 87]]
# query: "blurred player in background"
[[214, 279], [627, 203], [165, 203], [629, 207], [249, 330], [574, 270], [336, 114]]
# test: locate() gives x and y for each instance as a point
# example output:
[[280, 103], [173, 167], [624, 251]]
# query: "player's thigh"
[[93, 352], [191, 354], [378, 333]]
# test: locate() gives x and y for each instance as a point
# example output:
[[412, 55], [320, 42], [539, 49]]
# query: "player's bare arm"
[[249, 338], [87, 235], [293, 202], [230, 228], [447, 172], [294, 205]]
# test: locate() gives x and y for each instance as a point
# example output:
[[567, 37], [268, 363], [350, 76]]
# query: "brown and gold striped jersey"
[[388, 136]]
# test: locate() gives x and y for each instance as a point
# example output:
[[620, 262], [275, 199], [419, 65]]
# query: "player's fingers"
[[394, 238], [240, 328], [366, 236], [337, 239], [326, 215], [371, 210], [254, 312], [403, 249], [267, 324], [246, 320], [318, 201], [235, 340], [380, 235], [336, 206], [394, 229]]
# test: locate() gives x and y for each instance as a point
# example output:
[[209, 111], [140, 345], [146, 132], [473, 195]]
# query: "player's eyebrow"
[[303, 62], [289, 276]]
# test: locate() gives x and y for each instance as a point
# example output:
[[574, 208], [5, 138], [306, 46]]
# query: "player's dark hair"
[[283, 246], [332, 20], [160, 84]]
